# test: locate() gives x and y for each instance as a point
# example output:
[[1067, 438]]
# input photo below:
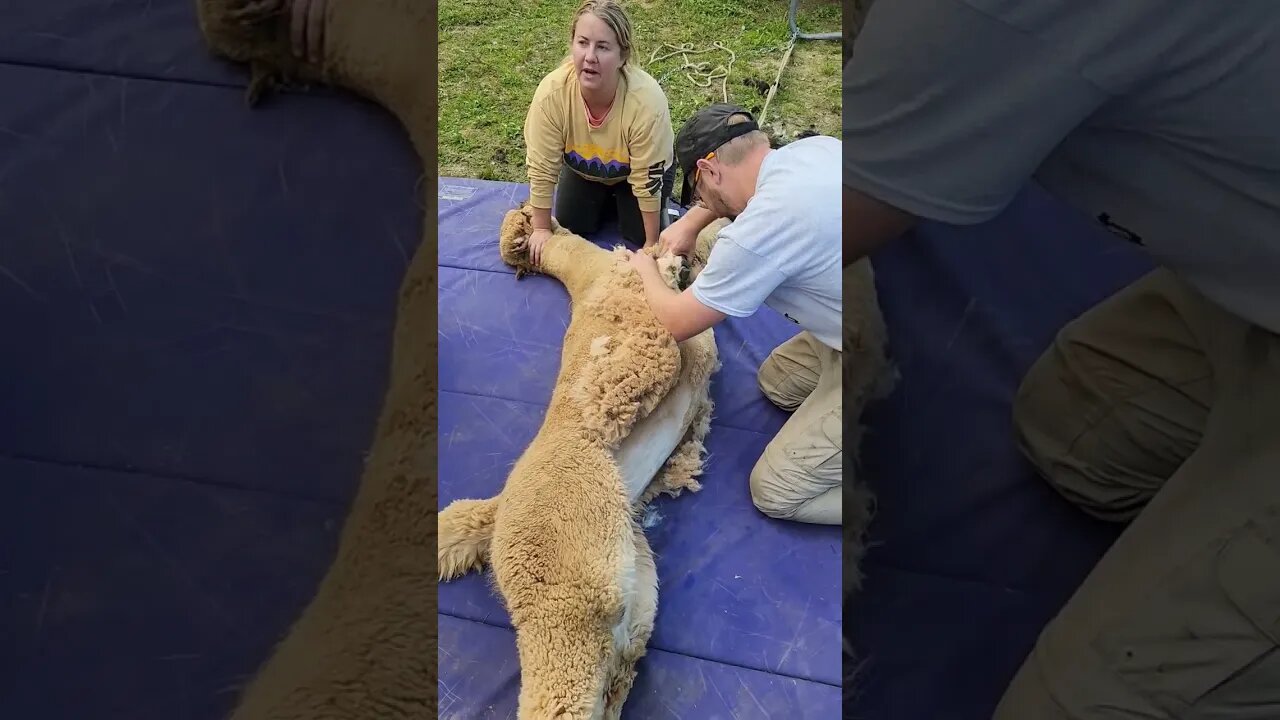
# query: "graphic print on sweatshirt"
[[594, 161]]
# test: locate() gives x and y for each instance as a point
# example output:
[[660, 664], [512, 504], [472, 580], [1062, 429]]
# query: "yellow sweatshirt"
[[635, 142]]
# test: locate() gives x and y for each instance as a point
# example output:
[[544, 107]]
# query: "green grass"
[[494, 52]]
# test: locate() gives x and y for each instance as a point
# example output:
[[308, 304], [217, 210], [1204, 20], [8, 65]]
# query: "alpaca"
[[365, 646], [626, 422]]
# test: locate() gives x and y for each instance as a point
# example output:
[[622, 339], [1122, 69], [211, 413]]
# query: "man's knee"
[[789, 476], [783, 493], [1046, 420], [771, 493], [789, 375], [1093, 443]]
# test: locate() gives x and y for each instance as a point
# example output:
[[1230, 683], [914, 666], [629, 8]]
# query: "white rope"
[[773, 89], [706, 75]]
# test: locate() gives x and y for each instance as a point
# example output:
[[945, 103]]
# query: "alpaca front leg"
[[375, 48], [572, 259]]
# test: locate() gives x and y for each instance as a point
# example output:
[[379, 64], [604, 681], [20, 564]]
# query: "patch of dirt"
[[760, 86]]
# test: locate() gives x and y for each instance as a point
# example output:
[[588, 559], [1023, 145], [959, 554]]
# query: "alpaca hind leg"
[[465, 530], [631, 637]]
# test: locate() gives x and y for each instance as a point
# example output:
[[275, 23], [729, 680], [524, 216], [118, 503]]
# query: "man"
[[782, 249], [1160, 407]]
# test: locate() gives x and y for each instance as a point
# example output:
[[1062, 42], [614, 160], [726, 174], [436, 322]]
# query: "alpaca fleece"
[[568, 556], [365, 645]]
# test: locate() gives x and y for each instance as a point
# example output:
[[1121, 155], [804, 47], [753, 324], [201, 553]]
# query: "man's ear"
[[703, 165]]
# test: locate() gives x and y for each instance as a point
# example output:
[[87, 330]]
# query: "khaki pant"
[[1160, 410], [798, 476]]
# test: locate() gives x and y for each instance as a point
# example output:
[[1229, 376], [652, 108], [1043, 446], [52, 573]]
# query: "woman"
[[599, 131]]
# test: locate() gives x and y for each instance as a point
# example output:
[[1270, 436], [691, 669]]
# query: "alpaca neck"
[[379, 49]]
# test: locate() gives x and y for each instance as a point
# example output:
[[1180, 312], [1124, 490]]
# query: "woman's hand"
[[537, 239]]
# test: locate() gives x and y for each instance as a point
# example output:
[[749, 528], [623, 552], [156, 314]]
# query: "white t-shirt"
[[1157, 118], [784, 249]]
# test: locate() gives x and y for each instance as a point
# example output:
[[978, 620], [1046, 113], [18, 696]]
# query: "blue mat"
[[971, 553], [749, 601], [197, 302]]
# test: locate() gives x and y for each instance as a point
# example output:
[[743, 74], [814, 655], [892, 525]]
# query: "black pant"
[[582, 206]]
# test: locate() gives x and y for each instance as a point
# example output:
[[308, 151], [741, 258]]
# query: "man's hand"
[[537, 240], [678, 239], [679, 312], [681, 236], [644, 264]]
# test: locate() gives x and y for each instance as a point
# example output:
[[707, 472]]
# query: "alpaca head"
[[513, 236]]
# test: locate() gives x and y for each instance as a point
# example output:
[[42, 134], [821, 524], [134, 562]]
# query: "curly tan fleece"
[[563, 531], [365, 646]]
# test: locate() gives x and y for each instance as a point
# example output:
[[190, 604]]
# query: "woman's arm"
[[541, 218], [544, 143], [650, 142], [651, 225]]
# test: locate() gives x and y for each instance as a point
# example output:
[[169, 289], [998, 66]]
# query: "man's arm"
[[681, 236], [868, 224], [680, 312], [951, 126], [696, 219]]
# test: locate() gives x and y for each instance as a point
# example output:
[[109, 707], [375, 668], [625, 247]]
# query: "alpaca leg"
[[564, 636], [632, 636], [560, 670], [572, 259], [375, 48], [465, 529]]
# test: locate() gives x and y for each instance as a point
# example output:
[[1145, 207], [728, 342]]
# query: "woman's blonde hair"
[[611, 12]]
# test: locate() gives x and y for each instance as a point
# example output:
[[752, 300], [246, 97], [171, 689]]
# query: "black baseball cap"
[[707, 130]]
